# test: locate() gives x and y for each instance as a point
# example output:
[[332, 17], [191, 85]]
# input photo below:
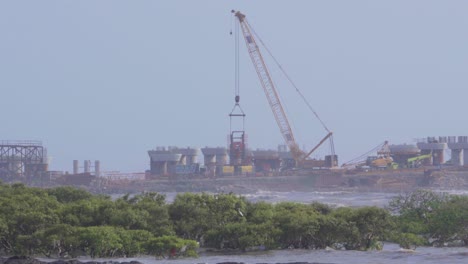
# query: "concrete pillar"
[[87, 166], [183, 160], [436, 148], [465, 157], [161, 160], [437, 157], [191, 159], [209, 159], [76, 169], [221, 159], [163, 167], [457, 159], [97, 168], [171, 167], [159, 167], [459, 148], [215, 159]]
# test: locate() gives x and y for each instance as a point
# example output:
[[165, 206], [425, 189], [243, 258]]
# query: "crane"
[[272, 95]]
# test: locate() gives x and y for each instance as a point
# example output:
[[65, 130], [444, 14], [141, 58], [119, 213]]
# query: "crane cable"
[[290, 80], [236, 60], [364, 156], [237, 77]]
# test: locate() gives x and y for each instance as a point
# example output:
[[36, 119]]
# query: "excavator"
[[416, 162], [266, 81], [382, 160]]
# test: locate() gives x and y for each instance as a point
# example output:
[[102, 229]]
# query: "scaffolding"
[[22, 159]]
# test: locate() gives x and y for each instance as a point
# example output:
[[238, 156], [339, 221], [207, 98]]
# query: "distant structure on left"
[[27, 161], [22, 159]]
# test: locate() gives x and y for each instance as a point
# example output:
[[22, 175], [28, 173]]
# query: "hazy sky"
[[110, 80]]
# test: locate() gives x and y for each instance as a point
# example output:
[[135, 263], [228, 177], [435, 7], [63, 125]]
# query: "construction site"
[[28, 161], [430, 152], [237, 159]]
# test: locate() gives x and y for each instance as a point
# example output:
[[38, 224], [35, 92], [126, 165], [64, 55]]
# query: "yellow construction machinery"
[[417, 161], [369, 160]]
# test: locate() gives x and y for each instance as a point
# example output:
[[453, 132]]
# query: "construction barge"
[[430, 163]]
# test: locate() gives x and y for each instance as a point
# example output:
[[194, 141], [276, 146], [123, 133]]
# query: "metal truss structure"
[[22, 159]]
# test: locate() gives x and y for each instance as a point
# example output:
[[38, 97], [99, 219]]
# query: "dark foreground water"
[[391, 254]]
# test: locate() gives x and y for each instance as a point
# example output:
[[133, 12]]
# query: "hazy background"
[[110, 80]]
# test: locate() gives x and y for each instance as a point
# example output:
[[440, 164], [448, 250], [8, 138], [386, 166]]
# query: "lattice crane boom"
[[269, 88]]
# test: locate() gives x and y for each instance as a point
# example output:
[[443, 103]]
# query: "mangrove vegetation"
[[68, 222]]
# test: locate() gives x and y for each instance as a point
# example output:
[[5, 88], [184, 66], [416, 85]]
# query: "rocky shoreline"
[[29, 260], [380, 181]]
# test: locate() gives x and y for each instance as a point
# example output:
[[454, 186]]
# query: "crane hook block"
[[237, 99]]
